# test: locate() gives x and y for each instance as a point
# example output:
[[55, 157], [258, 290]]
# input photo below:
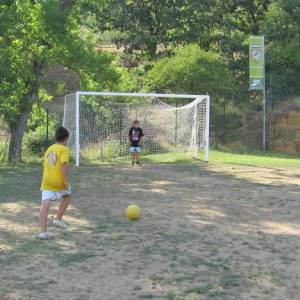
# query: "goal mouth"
[[99, 123]]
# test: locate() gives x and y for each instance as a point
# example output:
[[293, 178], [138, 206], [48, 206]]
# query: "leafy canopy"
[[35, 35], [190, 70]]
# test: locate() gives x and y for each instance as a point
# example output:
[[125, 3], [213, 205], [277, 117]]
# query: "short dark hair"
[[61, 134], [136, 122]]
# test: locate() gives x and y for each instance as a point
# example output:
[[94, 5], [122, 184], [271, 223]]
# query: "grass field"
[[225, 230]]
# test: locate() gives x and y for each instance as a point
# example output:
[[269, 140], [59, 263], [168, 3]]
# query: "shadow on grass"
[[200, 233]]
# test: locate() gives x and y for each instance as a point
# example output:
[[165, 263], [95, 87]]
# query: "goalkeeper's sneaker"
[[138, 163], [60, 224], [45, 235]]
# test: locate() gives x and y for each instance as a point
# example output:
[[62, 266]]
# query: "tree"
[[282, 29], [145, 25], [190, 70], [33, 36]]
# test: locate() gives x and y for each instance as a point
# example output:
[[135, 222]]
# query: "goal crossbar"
[[150, 95]]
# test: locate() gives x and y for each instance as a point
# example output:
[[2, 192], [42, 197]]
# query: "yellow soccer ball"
[[133, 212]]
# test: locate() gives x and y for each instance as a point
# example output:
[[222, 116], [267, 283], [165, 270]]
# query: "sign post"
[[257, 72]]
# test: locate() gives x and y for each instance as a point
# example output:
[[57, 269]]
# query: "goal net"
[[99, 123]]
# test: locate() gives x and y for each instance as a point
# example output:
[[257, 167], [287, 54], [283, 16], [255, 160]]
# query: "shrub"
[[35, 142]]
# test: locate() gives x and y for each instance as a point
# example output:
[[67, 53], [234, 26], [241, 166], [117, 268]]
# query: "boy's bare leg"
[[63, 206], [44, 214], [133, 156], [138, 156]]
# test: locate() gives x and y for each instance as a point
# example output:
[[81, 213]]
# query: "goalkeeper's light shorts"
[[135, 149]]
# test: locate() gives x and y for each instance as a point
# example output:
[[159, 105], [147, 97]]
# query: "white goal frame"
[[147, 95]]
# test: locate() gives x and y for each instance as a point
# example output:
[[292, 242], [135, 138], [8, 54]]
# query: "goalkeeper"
[[135, 137]]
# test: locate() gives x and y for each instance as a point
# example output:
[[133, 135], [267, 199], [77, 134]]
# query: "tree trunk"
[[17, 130], [65, 4], [18, 127]]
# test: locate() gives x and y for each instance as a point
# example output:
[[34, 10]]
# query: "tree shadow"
[[203, 232]]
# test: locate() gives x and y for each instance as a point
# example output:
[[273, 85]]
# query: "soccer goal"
[[99, 123]]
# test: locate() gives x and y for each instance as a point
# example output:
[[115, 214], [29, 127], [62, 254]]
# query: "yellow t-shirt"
[[55, 156]]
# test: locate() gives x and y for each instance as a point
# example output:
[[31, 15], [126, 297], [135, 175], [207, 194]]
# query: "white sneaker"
[[60, 223], [45, 235]]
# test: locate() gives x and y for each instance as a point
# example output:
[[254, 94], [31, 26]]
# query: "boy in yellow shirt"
[[55, 183]]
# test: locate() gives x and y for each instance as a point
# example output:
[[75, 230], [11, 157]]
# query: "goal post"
[[77, 128], [99, 122], [207, 123]]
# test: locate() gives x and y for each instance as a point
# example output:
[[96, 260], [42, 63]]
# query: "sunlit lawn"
[[208, 231], [258, 158]]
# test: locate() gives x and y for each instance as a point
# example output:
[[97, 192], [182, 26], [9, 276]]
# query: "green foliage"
[[149, 27], [38, 117], [37, 35], [128, 80], [36, 143], [190, 70], [35, 139], [283, 57], [144, 26], [34, 35], [3, 150]]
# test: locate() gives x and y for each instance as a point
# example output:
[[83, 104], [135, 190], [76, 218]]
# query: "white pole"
[[207, 129], [64, 117], [77, 136], [264, 117], [154, 95], [196, 124], [264, 102]]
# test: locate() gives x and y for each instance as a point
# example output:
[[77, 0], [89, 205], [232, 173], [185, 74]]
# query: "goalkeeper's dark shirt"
[[135, 135]]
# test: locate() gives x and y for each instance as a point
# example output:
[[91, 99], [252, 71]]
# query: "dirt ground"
[[206, 232]]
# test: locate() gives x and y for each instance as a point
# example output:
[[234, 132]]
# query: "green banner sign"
[[256, 62]]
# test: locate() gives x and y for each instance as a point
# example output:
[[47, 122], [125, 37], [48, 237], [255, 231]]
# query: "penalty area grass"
[[224, 230], [257, 158]]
